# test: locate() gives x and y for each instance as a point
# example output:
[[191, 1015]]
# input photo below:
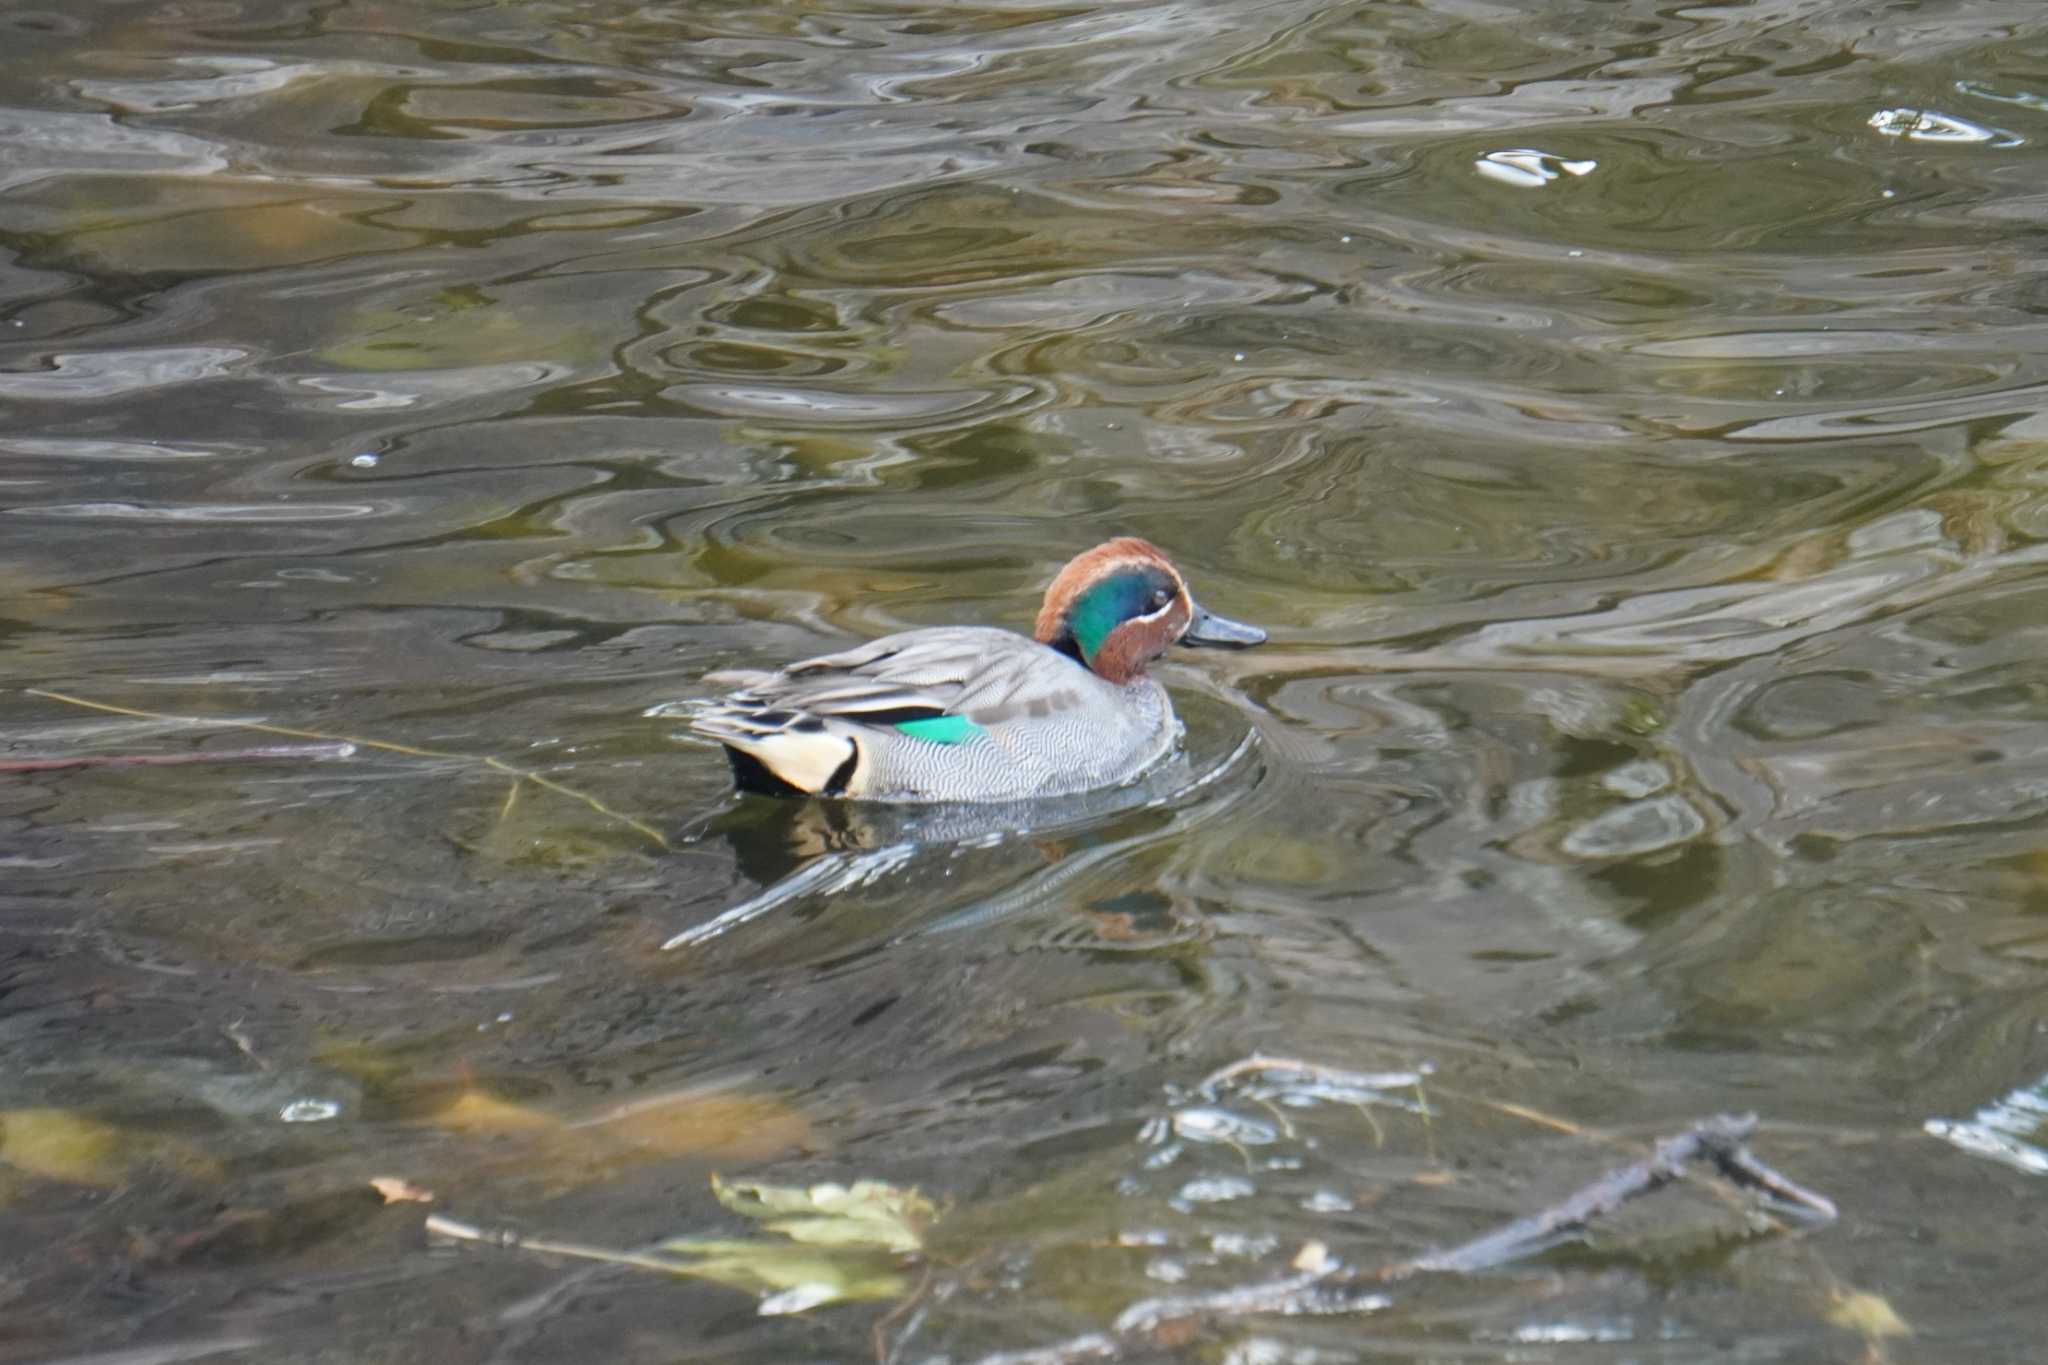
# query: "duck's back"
[[955, 713]]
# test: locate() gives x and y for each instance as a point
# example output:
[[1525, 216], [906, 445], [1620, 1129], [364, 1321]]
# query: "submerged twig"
[[312, 752], [878, 1334], [1716, 1140], [410, 751], [1523, 1112], [1739, 1166], [1258, 1064], [1329, 1287], [440, 1226], [240, 1038]]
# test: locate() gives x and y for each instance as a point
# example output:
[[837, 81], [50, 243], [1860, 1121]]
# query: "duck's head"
[[1121, 605]]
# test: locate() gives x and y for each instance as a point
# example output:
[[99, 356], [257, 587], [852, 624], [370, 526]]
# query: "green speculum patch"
[[940, 729]]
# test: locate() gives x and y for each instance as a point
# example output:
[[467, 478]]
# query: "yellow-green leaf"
[[58, 1144], [776, 1268], [1869, 1314], [867, 1213]]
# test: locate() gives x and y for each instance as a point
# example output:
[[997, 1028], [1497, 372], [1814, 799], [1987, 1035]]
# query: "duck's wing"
[[806, 725], [955, 670]]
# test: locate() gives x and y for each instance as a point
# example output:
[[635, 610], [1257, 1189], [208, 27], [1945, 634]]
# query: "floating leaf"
[[398, 1191], [788, 1272], [868, 1213], [848, 1244]]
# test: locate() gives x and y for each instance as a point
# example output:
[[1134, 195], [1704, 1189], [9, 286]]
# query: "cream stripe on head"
[[1112, 556]]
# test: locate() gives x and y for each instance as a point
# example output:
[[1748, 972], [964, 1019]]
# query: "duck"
[[977, 713]]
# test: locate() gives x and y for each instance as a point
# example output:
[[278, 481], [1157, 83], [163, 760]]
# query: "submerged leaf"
[[735, 1125], [456, 329], [473, 1111], [58, 1144], [558, 1152], [1869, 1314]]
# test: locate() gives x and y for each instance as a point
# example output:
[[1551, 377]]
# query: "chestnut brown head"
[[1121, 605]]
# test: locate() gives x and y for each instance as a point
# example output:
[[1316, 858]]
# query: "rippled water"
[[1631, 421]]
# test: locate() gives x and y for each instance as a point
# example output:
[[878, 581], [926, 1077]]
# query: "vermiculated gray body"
[[1042, 724]]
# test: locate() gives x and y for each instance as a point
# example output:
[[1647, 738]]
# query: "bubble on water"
[[366, 460], [1549, 1333], [1328, 1201], [1217, 1190], [1166, 1271], [1220, 1125], [309, 1111], [1237, 355], [1345, 238]]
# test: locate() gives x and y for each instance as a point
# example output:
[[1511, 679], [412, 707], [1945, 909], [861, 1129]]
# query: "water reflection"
[[826, 850], [82, 378]]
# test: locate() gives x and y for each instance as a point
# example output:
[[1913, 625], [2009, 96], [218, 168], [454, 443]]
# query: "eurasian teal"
[[972, 713]]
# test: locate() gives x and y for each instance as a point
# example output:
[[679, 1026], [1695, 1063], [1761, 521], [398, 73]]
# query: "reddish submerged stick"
[[267, 753]]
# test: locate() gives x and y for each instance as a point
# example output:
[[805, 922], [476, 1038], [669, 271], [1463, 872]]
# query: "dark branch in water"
[[1327, 1286], [1716, 1140]]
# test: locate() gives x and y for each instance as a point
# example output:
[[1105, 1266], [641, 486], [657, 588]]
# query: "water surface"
[[1628, 419]]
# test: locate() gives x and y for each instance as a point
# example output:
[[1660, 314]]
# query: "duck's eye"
[[1160, 597]]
